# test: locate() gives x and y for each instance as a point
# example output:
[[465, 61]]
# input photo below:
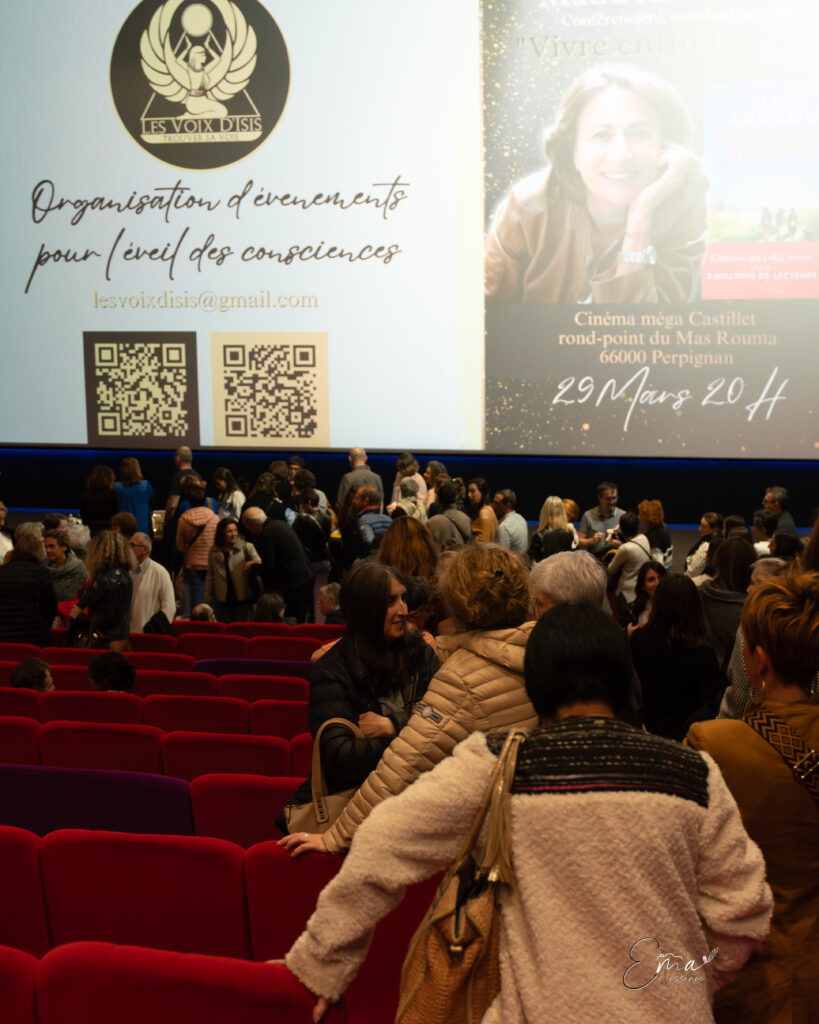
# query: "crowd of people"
[[655, 704]]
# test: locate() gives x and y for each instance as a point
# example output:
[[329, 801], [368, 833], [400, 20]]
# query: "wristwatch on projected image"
[[646, 257]]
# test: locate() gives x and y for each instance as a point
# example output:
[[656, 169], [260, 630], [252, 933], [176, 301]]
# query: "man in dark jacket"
[[360, 475], [285, 566]]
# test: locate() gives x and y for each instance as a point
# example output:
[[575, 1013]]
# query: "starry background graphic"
[[532, 51]]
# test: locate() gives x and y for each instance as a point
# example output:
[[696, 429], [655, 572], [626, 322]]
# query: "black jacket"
[[677, 681], [314, 534], [285, 565], [28, 604], [340, 688]]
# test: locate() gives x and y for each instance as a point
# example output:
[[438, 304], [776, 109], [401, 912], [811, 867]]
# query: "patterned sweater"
[[631, 866]]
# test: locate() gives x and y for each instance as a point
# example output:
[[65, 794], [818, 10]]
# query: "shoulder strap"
[[317, 779], [495, 860], [465, 536], [790, 746]]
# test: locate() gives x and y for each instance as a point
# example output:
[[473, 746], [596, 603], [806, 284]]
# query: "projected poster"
[[652, 244], [246, 224]]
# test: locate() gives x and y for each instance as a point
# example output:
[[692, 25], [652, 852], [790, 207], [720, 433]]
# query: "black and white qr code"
[[141, 389], [271, 389]]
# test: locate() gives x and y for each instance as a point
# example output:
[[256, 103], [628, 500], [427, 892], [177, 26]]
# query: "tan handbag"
[[323, 810], [451, 972]]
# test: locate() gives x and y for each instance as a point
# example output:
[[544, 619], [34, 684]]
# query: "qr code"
[[270, 387], [141, 389]]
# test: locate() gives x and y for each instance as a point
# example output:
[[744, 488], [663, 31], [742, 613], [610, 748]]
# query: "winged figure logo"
[[197, 70]]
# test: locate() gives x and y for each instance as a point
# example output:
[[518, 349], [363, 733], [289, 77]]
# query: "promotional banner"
[[243, 224], [652, 248], [524, 226]]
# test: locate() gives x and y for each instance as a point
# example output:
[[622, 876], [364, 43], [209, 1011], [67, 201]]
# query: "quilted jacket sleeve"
[[468, 694], [444, 718]]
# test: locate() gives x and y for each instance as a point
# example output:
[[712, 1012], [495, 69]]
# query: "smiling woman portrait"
[[619, 214]]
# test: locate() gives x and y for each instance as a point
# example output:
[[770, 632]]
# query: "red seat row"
[[168, 712], [187, 894], [194, 646], [146, 748], [97, 982], [240, 808], [323, 632], [193, 684]]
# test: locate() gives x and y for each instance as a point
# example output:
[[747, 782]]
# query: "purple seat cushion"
[[42, 799]]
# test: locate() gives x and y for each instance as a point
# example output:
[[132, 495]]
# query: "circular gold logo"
[[200, 85]]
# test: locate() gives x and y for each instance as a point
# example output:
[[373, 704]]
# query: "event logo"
[[200, 85]]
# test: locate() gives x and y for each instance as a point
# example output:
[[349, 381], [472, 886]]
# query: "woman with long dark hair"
[[480, 511], [229, 495], [678, 671], [648, 579], [725, 594], [479, 686], [709, 529], [372, 677]]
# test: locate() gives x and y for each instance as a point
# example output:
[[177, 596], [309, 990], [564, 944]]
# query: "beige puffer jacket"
[[479, 687]]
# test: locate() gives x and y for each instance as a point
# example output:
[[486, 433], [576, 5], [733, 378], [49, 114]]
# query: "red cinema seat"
[[68, 655], [189, 754], [99, 983], [240, 808], [285, 718], [301, 754], [253, 687], [282, 648], [213, 645], [16, 700], [161, 662], [159, 643], [373, 996], [251, 629], [281, 895], [129, 748], [171, 892], [180, 626], [60, 706], [189, 684], [272, 880], [19, 741], [6, 668], [70, 677], [195, 714], [18, 975], [319, 631], [16, 652], [22, 908], [57, 635]]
